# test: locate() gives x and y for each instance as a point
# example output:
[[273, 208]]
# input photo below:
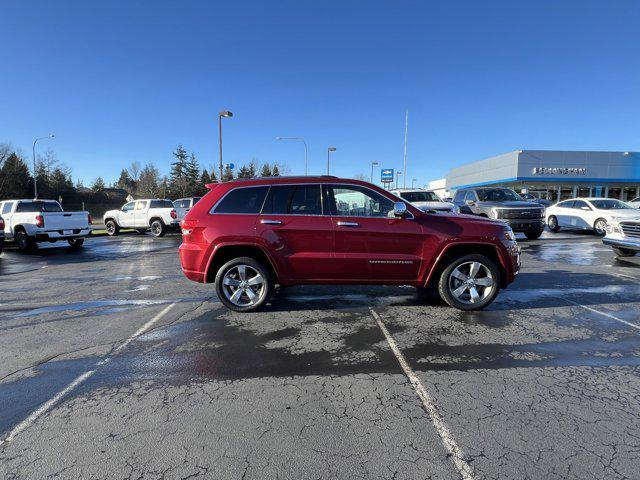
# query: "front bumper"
[[619, 243]]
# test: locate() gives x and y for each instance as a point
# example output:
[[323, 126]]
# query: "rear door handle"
[[348, 224], [270, 222]]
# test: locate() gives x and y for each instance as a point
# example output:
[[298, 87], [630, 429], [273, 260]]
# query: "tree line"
[[54, 179]]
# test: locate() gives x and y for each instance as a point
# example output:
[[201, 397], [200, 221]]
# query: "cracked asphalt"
[[544, 384]]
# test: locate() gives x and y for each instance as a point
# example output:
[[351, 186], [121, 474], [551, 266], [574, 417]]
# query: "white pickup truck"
[[183, 205], [156, 214], [28, 222]]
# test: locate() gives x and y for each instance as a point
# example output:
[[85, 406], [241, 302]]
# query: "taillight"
[[187, 226], [1, 224], [173, 214], [89, 219], [39, 221]]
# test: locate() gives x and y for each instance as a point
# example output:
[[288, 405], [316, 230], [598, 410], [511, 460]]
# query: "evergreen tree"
[[266, 170], [227, 174], [98, 185], [275, 171], [61, 183], [244, 172], [252, 170], [212, 176], [125, 181], [148, 183], [178, 183], [204, 180], [15, 178], [193, 175]]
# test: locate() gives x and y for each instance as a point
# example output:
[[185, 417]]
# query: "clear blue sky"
[[123, 81]]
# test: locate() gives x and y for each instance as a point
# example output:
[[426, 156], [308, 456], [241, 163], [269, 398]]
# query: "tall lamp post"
[[226, 114], [35, 182], [329, 150], [413, 180], [306, 149], [398, 173], [373, 164]]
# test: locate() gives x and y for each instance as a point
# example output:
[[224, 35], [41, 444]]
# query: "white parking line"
[[445, 435], [604, 314], [48, 405]]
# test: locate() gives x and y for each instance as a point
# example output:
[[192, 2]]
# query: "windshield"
[[419, 196], [610, 205], [497, 195]]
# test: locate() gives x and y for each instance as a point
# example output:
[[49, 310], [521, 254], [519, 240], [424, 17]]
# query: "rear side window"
[[196, 200], [161, 204], [242, 200], [278, 200], [32, 207], [293, 200], [6, 208]]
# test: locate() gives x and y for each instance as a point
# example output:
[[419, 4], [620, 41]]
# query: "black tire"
[[142, 231], [623, 252], [75, 243], [552, 223], [24, 242], [112, 228], [263, 294], [447, 282], [158, 228], [533, 234], [1, 246], [599, 227]]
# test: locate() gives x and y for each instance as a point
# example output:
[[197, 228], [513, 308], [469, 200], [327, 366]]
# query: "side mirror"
[[399, 209], [470, 202]]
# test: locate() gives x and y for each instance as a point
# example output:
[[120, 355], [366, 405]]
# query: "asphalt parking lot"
[[113, 365]]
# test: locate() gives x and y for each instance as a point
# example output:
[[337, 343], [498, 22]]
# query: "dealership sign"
[[386, 175], [559, 171]]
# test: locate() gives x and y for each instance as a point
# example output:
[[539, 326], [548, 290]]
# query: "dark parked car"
[[247, 236], [505, 205]]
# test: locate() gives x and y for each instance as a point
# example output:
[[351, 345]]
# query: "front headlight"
[[612, 228]]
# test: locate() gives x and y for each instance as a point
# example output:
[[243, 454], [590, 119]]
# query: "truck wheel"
[[75, 243], [112, 228], [599, 226], [244, 284], [470, 282], [141, 231], [24, 242], [158, 228], [552, 223], [624, 252], [533, 234]]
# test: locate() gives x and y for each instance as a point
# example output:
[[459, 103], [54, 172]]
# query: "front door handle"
[[270, 222], [348, 224]]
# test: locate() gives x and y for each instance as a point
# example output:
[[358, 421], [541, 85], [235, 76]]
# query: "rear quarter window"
[[161, 204], [246, 200]]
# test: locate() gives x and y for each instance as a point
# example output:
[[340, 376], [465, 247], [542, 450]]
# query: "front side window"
[[356, 201], [128, 207], [470, 196], [498, 195], [161, 204], [6, 208], [459, 197], [567, 204], [579, 204], [242, 201], [419, 196]]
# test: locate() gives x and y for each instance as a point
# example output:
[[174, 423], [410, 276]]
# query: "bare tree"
[[134, 171]]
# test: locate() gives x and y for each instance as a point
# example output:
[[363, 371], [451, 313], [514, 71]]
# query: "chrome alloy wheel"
[[156, 228], [243, 285], [600, 226], [110, 227], [471, 282]]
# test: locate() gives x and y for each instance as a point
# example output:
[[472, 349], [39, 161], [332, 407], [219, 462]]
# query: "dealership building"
[[553, 174]]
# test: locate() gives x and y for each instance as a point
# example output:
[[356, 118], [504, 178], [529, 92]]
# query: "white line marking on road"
[[48, 405], [445, 435], [622, 275], [605, 314]]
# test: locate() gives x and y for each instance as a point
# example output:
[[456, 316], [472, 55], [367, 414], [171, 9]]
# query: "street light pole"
[[306, 149], [329, 150], [373, 164], [226, 114], [413, 181], [35, 182]]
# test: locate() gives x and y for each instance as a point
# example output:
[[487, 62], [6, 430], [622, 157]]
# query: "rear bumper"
[[192, 261], [628, 244], [54, 235]]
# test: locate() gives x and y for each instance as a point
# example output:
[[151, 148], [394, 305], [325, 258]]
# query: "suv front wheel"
[[470, 282], [243, 284]]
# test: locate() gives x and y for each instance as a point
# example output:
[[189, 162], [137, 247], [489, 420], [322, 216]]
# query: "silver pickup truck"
[[28, 222]]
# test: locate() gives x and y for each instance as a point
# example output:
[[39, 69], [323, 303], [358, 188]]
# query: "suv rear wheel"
[[470, 282], [244, 284]]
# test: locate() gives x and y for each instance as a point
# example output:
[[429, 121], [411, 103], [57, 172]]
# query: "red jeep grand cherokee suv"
[[247, 236]]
